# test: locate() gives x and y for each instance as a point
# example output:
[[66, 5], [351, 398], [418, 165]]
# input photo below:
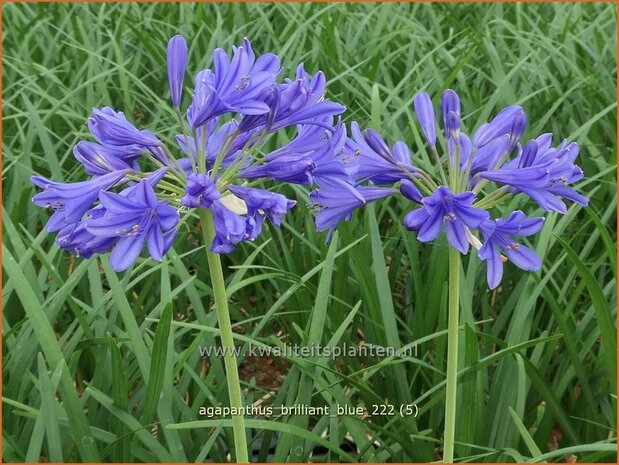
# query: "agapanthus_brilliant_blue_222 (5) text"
[[139, 191]]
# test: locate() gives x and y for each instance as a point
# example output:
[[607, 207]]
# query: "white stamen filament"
[[234, 204], [472, 238]]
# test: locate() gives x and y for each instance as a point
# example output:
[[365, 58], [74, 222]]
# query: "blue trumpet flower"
[[259, 201], [70, 201], [234, 85], [544, 174], [76, 239], [99, 160], [294, 102], [498, 237], [200, 191], [135, 219], [230, 228], [444, 209], [375, 161]]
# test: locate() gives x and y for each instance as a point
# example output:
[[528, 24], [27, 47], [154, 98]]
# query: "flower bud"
[[452, 126], [520, 123], [425, 115], [377, 144], [410, 191], [450, 102], [177, 61]]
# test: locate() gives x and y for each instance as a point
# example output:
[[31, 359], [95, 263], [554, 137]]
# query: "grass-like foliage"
[[89, 374]]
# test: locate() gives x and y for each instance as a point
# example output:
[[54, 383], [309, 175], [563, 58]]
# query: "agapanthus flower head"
[[126, 207], [454, 194]]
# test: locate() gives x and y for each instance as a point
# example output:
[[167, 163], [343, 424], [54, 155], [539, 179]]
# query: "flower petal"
[[431, 227], [456, 236], [416, 218], [126, 252], [494, 265], [116, 203], [524, 258], [155, 244], [112, 226]]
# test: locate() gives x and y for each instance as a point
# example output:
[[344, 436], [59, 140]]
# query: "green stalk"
[[222, 153], [173, 159], [467, 171], [179, 116], [492, 199], [452, 355], [227, 340], [437, 159], [456, 169]]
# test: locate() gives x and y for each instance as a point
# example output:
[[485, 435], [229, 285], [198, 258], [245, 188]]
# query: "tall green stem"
[[452, 355], [227, 340]]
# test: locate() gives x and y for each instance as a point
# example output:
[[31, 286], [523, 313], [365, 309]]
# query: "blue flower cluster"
[[455, 200], [235, 107]]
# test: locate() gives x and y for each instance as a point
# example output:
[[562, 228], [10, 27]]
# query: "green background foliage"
[[85, 362]]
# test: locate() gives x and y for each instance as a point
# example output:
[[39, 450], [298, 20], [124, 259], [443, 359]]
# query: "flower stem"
[[467, 170], [452, 355], [492, 199], [227, 340], [179, 116], [223, 152], [437, 159], [456, 169]]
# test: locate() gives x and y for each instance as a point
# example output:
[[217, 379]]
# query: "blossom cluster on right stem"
[[473, 175]]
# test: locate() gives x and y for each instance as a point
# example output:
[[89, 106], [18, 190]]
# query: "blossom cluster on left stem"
[[140, 191]]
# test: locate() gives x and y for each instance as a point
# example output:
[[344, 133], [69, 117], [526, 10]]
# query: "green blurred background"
[[538, 355]]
